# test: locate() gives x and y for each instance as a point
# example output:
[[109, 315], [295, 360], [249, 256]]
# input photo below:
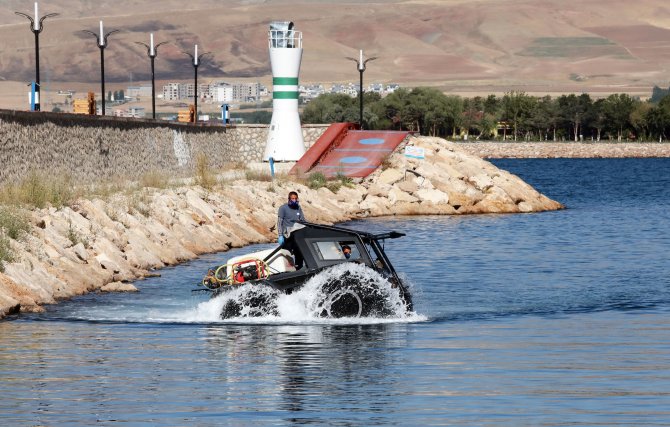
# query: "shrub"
[[75, 237], [203, 174], [316, 180], [345, 180], [13, 222], [5, 252]]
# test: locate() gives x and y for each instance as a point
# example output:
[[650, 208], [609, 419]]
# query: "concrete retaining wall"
[[93, 148]]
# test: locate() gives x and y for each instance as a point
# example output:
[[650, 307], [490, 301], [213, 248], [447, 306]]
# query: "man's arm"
[[281, 228]]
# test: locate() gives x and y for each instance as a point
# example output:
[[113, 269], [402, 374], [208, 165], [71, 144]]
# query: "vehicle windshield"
[[336, 250]]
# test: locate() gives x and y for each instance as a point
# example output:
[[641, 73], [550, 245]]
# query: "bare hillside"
[[460, 46]]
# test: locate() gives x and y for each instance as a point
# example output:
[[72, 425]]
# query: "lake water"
[[551, 319]]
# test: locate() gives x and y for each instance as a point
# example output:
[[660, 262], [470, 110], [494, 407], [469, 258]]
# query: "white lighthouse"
[[285, 141]]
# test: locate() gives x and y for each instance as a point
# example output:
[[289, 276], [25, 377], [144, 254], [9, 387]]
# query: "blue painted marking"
[[371, 141], [353, 159], [365, 150], [344, 167]]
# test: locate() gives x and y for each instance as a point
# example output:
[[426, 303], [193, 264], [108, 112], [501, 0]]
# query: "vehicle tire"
[[350, 295], [342, 303], [231, 309], [254, 301]]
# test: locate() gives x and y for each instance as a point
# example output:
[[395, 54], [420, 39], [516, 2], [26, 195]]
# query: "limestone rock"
[[433, 196], [390, 176], [397, 195], [118, 287], [482, 181], [379, 189], [409, 186], [80, 251]]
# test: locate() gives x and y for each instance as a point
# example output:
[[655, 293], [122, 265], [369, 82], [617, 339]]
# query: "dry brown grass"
[[38, 190], [204, 174]]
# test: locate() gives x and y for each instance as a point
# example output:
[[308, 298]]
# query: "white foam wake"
[[310, 304]]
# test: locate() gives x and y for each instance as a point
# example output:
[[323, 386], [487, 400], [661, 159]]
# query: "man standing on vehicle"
[[288, 215]]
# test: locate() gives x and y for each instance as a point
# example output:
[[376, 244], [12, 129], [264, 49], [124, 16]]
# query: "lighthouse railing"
[[285, 38]]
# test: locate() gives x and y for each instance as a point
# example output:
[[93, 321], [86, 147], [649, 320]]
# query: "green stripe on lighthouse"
[[285, 95], [285, 81]]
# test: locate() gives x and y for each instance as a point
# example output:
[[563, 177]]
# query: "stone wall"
[[92, 148]]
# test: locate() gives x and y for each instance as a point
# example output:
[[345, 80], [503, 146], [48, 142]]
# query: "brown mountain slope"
[[485, 45]]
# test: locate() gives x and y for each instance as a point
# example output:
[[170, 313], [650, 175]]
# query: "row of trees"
[[514, 116]]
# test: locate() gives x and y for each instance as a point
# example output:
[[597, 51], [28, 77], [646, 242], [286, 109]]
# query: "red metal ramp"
[[326, 142], [352, 153]]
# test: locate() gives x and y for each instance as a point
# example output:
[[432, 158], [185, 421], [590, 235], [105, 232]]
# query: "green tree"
[[574, 110], [638, 120], [617, 108], [658, 119], [516, 108], [396, 108], [597, 118], [331, 108]]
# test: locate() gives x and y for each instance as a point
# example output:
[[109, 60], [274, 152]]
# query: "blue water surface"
[[551, 319]]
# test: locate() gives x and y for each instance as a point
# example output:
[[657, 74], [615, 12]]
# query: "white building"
[[216, 92], [391, 87], [224, 94], [246, 92], [171, 91]]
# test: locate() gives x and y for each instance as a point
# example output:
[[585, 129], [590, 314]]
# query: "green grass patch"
[[573, 47]]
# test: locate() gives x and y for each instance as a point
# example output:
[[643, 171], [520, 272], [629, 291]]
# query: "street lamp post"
[[152, 51], [195, 61], [361, 65], [101, 40], [36, 26]]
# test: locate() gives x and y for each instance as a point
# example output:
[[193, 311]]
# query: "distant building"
[[137, 112], [224, 93], [246, 92], [215, 92], [171, 91], [348, 89], [135, 92], [376, 87], [392, 87], [309, 92]]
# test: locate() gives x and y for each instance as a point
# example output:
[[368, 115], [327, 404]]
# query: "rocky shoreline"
[[534, 150], [104, 245]]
